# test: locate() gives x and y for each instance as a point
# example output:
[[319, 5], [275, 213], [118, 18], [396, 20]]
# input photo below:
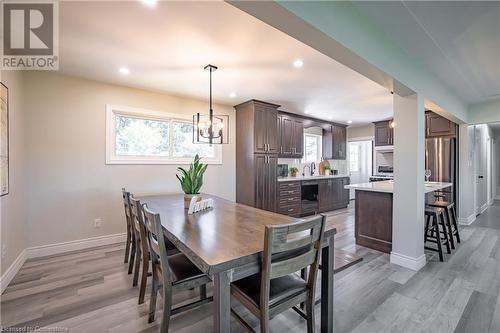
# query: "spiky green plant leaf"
[[191, 180]]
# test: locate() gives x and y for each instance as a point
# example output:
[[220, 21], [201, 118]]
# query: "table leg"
[[222, 305], [327, 267]]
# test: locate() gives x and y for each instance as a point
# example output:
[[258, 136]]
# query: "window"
[[353, 157], [312, 148], [135, 136]]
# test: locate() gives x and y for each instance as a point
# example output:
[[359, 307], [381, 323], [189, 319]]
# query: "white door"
[[360, 162]]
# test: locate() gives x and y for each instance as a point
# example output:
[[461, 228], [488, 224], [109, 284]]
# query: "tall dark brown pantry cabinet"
[[257, 154]]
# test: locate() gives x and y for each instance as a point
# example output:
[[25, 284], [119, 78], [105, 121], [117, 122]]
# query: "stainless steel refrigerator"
[[440, 158]]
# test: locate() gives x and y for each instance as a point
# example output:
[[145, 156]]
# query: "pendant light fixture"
[[210, 128]]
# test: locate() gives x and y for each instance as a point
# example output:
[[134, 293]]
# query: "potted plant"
[[293, 171], [327, 170], [191, 180]]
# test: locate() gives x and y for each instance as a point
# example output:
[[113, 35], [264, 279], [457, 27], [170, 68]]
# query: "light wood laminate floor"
[[90, 291]]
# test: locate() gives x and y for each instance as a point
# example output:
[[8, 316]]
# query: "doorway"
[[359, 162]]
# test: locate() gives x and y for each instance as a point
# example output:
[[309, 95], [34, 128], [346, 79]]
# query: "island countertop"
[[387, 186]]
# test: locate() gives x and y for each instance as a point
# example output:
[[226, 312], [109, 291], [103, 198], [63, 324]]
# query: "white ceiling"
[[166, 48], [458, 40]]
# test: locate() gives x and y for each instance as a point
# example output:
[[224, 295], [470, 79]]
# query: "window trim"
[[111, 158], [319, 150]]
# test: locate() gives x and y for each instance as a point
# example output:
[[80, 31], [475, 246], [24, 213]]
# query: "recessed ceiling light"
[[298, 63], [149, 3], [330, 117], [349, 121], [124, 71], [307, 112], [233, 95]]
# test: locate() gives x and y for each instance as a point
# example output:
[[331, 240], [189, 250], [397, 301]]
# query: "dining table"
[[226, 242]]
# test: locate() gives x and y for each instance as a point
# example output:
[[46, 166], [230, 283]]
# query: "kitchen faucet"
[[304, 169]]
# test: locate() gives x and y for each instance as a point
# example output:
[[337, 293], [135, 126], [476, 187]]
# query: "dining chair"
[[287, 250], [142, 251], [172, 272], [130, 244]]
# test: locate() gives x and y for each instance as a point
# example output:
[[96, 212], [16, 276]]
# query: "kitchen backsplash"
[[340, 165]]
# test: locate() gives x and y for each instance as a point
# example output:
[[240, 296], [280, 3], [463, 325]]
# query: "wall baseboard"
[[57, 248], [467, 220], [483, 208], [9, 274], [408, 262], [79, 244]]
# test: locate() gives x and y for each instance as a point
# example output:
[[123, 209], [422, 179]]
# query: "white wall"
[[486, 112], [366, 131], [12, 205], [496, 166], [68, 183]]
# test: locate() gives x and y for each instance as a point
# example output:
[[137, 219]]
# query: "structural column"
[[409, 194]]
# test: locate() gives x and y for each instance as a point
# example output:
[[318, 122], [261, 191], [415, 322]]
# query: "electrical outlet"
[[97, 223], [4, 250]]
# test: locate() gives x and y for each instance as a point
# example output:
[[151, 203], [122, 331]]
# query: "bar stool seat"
[[451, 217], [432, 233]]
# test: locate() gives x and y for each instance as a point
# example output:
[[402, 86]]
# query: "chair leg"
[[132, 257], [435, 226], [454, 217], [310, 312], [264, 321], [450, 229], [303, 275], [152, 299], [127, 246], [426, 230], [445, 233], [144, 277], [136, 265], [167, 308], [203, 291]]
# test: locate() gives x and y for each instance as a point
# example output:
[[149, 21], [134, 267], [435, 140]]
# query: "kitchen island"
[[373, 212]]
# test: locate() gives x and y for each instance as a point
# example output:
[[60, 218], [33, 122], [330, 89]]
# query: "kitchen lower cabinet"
[[289, 198], [265, 181]]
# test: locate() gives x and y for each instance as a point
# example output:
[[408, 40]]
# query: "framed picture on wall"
[[4, 140]]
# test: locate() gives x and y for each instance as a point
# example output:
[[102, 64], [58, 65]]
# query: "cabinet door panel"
[[327, 142], [438, 126], [298, 138], [323, 195], [260, 162], [260, 132], [286, 136], [382, 134], [271, 127], [271, 183]]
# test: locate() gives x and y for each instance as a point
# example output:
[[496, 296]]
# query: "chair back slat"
[[284, 240], [126, 205], [138, 223], [292, 265], [157, 243]]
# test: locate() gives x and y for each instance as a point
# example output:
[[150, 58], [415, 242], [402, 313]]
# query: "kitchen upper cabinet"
[[437, 126], [265, 129], [384, 133], [291, 136], [334, 142]]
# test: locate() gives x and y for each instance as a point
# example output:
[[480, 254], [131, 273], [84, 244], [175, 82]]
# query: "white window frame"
[[117, 110], [319, 149]]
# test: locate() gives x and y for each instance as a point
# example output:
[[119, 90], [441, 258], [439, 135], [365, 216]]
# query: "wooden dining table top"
[[220, 238]]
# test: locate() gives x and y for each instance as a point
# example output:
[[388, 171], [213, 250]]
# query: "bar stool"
[[451, 217], [434, 217]]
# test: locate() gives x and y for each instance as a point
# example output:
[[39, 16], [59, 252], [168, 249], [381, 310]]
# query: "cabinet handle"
[[290, 199], [290, 210], [281, 149]]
